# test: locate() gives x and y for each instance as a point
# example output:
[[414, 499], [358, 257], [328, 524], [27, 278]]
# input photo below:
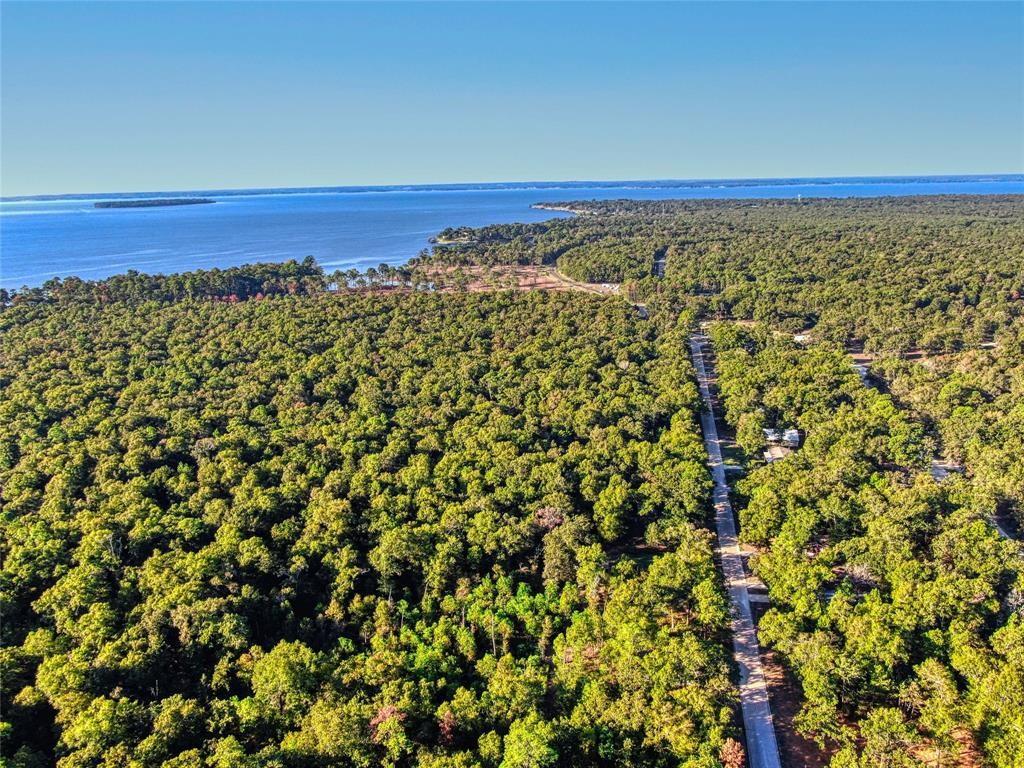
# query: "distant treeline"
[[253, 281], [233, 284], [153, 202], [897, 273]]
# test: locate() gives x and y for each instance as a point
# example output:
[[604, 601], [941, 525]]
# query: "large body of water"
[[357, 227]]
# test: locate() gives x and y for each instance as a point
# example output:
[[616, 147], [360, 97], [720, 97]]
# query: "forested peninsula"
[[437, 515], [153, 202]]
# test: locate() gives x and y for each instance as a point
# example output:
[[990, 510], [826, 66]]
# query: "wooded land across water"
[[267, 516]]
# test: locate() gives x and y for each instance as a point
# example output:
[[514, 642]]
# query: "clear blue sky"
[[150, 96]]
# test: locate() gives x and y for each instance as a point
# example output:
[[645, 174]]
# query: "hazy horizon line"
[[525, 184]]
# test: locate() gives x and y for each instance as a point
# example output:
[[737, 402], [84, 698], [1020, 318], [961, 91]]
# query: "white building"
[[789, 438]]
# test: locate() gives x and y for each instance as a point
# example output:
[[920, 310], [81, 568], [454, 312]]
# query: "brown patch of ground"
[[477, 279], [785, 696], [969, 755]]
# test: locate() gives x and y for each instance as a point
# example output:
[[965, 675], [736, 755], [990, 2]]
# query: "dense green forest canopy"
[[417, 529], [250, 281], [973, 404], [231, 284], [893, 598], [939, 273], [267, 515]]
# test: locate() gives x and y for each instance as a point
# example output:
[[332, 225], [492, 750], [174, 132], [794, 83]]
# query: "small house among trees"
[[787, 438]]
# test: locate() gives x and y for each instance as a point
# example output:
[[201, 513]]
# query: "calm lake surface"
[[344, 227]]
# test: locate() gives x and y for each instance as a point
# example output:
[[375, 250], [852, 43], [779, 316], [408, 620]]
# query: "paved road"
[[762, 749]]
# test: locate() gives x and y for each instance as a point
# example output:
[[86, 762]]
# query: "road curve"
[[762, 748]]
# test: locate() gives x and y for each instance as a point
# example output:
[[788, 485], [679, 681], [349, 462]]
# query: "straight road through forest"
[[762, 748]]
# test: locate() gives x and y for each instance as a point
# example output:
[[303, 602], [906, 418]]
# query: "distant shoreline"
[[823, 181], [43, 240], [560, 208], [153, 202]]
